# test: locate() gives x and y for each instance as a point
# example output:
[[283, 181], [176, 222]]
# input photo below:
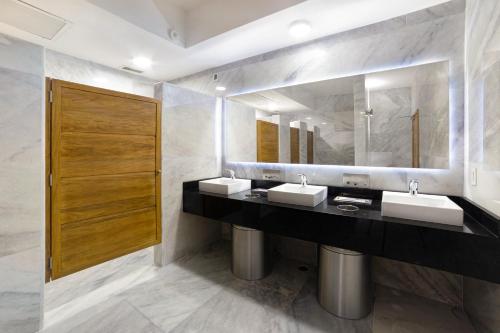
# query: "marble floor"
[[199, 294]]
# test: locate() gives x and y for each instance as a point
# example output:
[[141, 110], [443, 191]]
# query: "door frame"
[[50, 106]]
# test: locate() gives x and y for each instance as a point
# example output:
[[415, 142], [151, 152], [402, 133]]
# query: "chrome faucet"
[[303, 179], [413, 187], [231, 173]]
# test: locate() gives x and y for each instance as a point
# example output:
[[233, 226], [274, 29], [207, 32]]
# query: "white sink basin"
[[296, 194], [423, 207], [225, 185]]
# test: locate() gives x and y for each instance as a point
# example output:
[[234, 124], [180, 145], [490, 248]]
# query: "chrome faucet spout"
[[231, 173], [413, 187], [303, 179]]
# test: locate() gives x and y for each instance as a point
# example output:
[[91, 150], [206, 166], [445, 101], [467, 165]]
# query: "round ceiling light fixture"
[[220, 88], [142, 62], [299, 28]]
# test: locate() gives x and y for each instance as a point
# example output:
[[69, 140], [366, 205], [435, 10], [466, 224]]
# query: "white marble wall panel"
[[284, 138], [431, 99], [241, 132], [427, 36], [360, 121], [483, 19], [303, 143], [189, 152], [481, 299], [492, 117], [390, 127], [21, 190], [64, 67]]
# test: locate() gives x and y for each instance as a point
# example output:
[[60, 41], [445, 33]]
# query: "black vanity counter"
[[472, 250]]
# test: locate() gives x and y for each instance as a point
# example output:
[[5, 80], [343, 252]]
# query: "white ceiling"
[[112, 37], [187, 4]]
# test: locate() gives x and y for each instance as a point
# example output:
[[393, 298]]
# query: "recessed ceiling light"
[[308, 118], [142, 62], [299, 28], [220, 88], [374, 83], [323, 123]]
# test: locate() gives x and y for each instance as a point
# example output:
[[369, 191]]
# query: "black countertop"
[[472, 249]]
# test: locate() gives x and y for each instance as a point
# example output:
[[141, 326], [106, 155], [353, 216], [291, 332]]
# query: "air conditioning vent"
[[130, 69], [30, 19]]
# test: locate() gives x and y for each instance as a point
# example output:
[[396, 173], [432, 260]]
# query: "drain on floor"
[[303, 268]]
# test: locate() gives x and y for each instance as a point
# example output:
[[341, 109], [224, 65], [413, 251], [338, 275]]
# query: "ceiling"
[[183, 37]]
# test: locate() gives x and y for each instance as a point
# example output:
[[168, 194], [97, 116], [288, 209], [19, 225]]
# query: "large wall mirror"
[[394, 118]]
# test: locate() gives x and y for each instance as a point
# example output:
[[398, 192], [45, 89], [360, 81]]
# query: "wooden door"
[[267, 142], [294, 145], [415, 126], [310, 147], [105, 171]]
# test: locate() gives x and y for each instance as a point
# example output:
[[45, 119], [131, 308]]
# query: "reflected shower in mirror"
[[394, 118]]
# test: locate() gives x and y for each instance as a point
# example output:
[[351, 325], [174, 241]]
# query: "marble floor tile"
[[198, 293], [310, 317], [242, 307], [399, 312], [181, 287], [110, 316]]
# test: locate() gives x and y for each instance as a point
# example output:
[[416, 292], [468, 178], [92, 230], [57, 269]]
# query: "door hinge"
[[50, 180], [51, 97], [50, 263]]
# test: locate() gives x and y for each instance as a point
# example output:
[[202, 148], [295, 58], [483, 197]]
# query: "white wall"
[[481, 300], [190, 151], [483, 98], [21, 185], [64, 67], [241, 132]]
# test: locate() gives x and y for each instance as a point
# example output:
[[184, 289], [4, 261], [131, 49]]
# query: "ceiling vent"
[[130, 69], [30, 19]]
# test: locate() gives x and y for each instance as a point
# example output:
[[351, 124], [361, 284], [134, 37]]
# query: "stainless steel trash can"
[[344, 284], [252, 253]]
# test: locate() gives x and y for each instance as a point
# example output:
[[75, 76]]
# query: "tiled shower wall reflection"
[[482, 299], [21, 190]]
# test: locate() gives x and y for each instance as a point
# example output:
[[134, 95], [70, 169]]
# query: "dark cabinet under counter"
[[470, 250]]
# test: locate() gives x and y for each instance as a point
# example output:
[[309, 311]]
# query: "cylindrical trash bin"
[[252, 253], [344, 282]]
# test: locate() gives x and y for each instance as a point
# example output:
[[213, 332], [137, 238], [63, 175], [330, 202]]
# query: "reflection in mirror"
[[395, 118]]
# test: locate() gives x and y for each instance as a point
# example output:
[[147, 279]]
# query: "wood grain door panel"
[[89, 197], [267, 142], [105, 165], [310, 147], [91, 112], [294, 145], [85, 243], [91, 154]]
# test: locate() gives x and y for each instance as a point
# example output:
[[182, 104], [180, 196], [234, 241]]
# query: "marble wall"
[[21, 185], [481, 299], [483, 95], [434, 34], [241, 132], [190, 151], [390, 139], [64, 67], [431, 99], [335, 143]]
